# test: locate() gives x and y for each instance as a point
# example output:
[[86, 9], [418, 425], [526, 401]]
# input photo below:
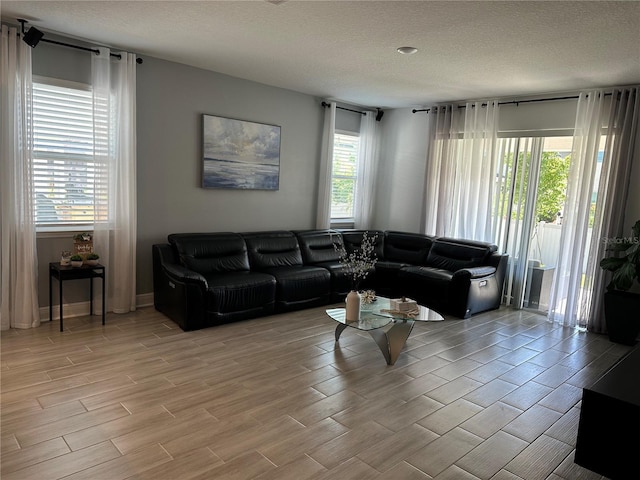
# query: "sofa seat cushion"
[[386, 273], [239, 291], [335, 268], [337, 271], [429, 286], [340, 281], [386, 278], [299, 282], [390, 267], [428, 274]]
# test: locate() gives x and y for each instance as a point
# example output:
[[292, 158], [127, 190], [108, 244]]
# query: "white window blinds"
[[64, 171], [344, 175]]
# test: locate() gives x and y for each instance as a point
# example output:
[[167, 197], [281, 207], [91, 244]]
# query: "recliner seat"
[[216, 278], [458, 276], [278, 254]]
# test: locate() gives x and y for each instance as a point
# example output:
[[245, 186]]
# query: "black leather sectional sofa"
[[205, 279]]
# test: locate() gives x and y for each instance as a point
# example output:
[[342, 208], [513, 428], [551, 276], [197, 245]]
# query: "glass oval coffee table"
[[374, 317]]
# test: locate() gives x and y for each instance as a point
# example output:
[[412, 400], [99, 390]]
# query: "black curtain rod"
[[513, 102], [325, 104], [78, 47], [86, 49]]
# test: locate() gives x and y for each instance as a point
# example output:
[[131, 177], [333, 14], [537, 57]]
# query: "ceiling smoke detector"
[[407, 50]]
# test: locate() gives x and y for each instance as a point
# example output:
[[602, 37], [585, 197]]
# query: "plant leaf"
[[623, 277], [612, 263]]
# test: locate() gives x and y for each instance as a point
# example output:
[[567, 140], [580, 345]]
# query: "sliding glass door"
[[531, 185]]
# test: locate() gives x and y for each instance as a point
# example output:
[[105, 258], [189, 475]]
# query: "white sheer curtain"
[[114, 91], [367, 171], [18, 261], [440, 170], [461, 171], [323, 216], [576, 296]]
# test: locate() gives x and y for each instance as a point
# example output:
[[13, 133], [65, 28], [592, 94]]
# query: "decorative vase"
[[353, 306]]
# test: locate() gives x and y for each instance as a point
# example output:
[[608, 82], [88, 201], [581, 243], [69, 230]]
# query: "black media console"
[[608, 440]]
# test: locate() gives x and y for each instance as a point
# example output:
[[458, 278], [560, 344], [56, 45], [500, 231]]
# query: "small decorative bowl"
[[367, 298]]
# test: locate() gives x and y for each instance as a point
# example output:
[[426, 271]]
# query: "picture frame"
[[240, 154]]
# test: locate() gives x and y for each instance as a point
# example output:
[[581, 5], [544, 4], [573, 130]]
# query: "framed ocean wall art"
[[240, 154]]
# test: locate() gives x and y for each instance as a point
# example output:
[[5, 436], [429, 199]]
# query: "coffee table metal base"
[[390, 342]]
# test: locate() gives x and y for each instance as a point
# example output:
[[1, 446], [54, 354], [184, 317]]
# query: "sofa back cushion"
[[405, 247], [319, 246], [353, 240], [272, 249], [211, 252], [453, 254]]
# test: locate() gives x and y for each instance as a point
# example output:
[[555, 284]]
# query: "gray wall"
[[346, 120], [171, 101], [400, 187]]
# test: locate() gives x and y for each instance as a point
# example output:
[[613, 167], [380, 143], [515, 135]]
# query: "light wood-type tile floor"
[[493, 397]]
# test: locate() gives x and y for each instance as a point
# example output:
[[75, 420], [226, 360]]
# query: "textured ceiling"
[[346, 50]]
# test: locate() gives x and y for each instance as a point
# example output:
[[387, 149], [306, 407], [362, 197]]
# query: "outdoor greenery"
[[342, 191], [552, 184]]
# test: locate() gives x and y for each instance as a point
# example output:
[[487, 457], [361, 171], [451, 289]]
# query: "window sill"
[[346, 223], [61, 232]]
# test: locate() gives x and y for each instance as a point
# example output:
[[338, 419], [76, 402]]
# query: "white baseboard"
[[144, 300], [80, 309]]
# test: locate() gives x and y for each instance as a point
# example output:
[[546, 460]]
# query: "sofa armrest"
[[473, 290], [178, 292], [184, 275], [474, 272]]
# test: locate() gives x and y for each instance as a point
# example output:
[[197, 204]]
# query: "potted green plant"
[[76, 260], [92, 259], [621, 306]]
